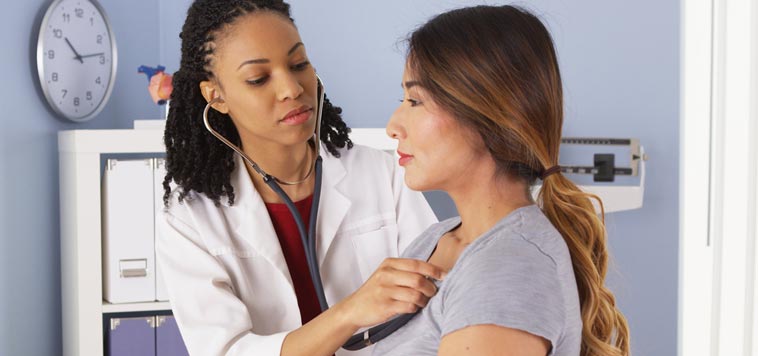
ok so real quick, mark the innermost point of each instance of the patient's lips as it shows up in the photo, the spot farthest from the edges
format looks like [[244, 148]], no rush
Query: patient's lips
[[404, 158]]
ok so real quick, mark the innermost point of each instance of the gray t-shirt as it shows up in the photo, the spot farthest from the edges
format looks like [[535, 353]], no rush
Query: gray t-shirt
[[516, 275]]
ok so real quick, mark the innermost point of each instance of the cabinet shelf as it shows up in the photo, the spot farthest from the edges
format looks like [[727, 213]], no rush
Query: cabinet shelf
[[135, 307]]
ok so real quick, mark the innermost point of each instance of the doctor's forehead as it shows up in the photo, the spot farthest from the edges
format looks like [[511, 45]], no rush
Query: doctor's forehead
[[261, 35]]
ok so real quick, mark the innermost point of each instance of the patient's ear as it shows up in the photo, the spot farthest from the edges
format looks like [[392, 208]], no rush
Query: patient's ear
[[210, 91]]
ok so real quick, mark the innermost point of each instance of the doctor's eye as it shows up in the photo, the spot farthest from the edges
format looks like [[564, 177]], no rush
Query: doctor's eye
[[257, 82], [301, 66]]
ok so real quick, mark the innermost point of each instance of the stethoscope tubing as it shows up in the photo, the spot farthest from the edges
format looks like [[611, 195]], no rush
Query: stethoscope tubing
[[376, 333], [308, 240]]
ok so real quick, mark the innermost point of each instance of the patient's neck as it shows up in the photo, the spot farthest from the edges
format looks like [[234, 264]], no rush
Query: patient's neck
[[485, 198]]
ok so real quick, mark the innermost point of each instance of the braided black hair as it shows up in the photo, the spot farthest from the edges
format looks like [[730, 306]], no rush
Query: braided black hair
[[195, 159]]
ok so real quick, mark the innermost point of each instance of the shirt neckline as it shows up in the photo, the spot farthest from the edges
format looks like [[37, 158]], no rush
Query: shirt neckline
[[454, 223], [300, 204]]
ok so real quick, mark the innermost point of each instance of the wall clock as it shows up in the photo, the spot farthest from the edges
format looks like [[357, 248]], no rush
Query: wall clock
[[76, 58]]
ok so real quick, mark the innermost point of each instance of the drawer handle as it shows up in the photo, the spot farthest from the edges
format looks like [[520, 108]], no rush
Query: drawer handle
[[133, 268]]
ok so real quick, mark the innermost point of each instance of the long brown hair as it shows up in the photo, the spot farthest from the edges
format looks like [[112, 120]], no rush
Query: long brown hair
[[494, 68]]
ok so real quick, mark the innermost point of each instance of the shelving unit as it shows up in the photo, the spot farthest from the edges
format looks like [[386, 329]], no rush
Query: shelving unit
[[83, 307]]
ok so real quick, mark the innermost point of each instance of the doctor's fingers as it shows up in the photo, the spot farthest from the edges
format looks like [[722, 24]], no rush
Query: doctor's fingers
[[403, 308], [390, 277], [416, 266], [406, 299]]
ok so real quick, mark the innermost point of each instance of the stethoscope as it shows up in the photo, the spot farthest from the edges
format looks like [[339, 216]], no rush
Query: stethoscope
[[357, 341]]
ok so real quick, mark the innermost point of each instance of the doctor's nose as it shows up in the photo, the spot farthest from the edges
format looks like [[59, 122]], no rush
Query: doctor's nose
[[289, 87]]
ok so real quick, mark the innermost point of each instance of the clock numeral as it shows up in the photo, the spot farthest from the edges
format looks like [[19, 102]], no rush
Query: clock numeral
[[98, 80], [91, 21], [89, 95], [76, 101], [99, 39], [102, 59], [55, 76], [79, 12], [58, 33], [66, 17], [51, 54], [64, 93]]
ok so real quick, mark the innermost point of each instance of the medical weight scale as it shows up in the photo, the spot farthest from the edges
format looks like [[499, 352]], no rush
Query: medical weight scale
[[605, 169]]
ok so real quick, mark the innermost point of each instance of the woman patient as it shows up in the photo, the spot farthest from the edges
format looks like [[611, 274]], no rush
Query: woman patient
[[481, 119]]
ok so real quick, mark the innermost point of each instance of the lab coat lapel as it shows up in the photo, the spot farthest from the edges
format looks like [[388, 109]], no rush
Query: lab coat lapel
[[253, 221], [333, 206]]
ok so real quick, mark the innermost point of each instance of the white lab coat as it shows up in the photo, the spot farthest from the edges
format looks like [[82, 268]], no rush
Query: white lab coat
[[224, 270]]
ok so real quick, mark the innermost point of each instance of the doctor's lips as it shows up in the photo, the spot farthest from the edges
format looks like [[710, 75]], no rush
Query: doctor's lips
[[404, 158], [297, 116]]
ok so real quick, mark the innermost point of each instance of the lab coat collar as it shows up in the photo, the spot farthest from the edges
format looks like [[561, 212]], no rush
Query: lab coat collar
[[333, 206], [254, 223]]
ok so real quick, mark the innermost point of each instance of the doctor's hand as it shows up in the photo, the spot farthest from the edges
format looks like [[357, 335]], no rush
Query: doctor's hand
[[398, 286]]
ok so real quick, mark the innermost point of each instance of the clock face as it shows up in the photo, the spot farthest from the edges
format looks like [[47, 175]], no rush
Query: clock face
[[76, 58]]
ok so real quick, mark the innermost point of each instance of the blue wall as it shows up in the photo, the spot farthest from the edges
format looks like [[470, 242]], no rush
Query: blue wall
[[621, 79], [30, 310]]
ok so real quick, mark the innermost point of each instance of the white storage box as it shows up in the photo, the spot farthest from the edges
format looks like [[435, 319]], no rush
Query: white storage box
[[128, 231]]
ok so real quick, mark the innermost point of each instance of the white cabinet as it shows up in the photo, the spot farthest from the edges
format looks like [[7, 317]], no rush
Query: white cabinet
[[80, 153]]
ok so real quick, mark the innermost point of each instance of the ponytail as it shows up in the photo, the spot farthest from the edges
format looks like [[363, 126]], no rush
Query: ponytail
[[604, 329]]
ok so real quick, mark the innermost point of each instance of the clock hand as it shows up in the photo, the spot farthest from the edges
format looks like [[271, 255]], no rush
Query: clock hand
[[92, 55], [72, 48]]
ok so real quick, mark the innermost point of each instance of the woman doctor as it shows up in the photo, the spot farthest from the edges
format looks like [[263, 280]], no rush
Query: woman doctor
[[233, 263]]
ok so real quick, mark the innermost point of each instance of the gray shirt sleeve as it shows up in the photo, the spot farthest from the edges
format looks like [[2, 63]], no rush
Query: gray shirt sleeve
[[512, 284]]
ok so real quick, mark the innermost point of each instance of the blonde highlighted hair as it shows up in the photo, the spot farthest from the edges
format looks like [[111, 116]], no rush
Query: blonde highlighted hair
[[494, 68]]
